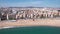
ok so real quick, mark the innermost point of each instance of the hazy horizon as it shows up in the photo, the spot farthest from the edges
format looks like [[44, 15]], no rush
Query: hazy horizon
[[30, 3]]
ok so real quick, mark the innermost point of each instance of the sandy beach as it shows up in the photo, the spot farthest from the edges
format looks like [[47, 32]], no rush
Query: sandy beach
[[30, 22]]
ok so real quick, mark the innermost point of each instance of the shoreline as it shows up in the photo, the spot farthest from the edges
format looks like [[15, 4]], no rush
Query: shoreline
[[8, 27], [30, 22]]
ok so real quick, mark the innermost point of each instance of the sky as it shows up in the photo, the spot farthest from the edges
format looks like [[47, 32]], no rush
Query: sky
[[27, 3]]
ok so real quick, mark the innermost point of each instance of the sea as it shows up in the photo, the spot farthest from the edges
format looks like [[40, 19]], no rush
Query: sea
[[31, 30]]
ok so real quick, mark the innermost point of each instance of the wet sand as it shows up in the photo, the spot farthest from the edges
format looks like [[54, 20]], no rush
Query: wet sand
[[30, 22]]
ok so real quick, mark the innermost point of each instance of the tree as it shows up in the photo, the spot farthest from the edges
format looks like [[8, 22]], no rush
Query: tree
[[0, 16]]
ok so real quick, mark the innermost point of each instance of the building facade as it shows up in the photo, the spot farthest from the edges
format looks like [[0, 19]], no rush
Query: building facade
[[28, 13]]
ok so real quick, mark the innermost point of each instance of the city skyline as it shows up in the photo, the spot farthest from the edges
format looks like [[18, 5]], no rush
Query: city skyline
[[27, 3]]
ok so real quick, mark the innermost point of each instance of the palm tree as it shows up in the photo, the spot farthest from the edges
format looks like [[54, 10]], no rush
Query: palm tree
[[33, 17], [0, 14], [7, 12]]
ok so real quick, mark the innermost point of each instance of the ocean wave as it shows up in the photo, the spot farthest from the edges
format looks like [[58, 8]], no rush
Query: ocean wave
[[7, 27]]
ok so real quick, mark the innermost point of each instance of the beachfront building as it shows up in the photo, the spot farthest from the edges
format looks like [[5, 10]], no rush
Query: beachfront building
[[29, 13], [37, 13]]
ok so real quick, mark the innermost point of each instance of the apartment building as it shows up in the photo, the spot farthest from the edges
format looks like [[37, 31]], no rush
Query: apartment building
[[29, 13]]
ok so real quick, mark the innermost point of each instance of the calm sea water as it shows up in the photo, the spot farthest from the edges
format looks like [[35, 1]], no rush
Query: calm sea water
[[31, 30]]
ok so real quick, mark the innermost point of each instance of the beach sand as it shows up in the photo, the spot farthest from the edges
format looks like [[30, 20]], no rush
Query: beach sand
[[30, 22]]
